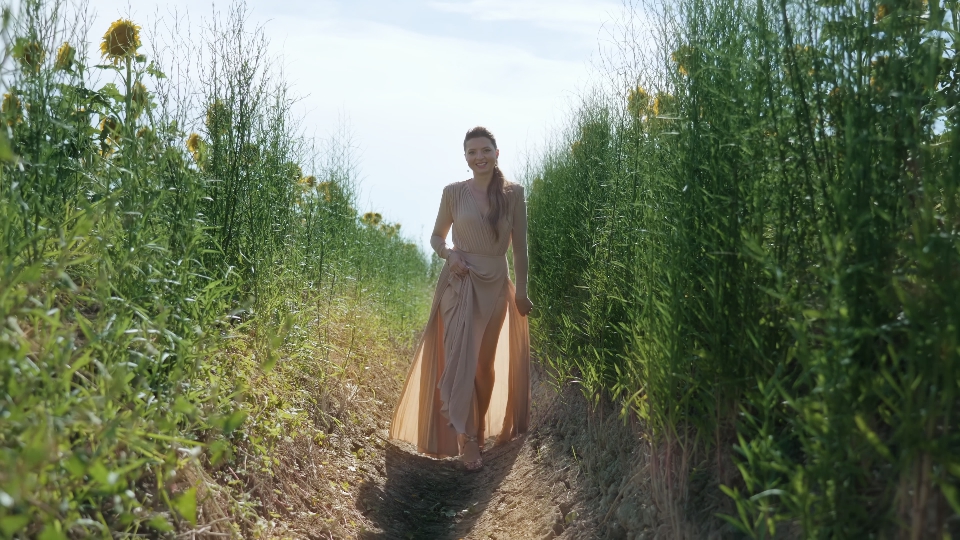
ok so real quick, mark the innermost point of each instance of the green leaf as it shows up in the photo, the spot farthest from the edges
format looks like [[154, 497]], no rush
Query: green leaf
[[75, 466], [51, 532], [155, 71], [12, 524], [160, 523], [872, 437], [6, 152], [234, 421], [950, 493], [219, 451], [186, 505], [183, 406], [111, 91]]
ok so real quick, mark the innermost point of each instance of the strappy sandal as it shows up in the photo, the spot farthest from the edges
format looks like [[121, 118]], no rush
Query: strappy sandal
[[476, 464]]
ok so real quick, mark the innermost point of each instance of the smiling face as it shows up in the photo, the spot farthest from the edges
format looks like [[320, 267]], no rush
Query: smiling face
[[481, 155]]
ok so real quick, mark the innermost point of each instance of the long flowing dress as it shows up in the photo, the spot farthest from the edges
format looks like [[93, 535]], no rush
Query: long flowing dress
[[467, 320]]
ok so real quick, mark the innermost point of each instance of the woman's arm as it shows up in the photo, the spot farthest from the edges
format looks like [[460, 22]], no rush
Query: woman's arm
[[520, 261], [438, 240]]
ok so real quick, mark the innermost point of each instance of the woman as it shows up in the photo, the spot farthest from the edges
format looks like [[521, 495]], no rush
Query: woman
[[470, 377]]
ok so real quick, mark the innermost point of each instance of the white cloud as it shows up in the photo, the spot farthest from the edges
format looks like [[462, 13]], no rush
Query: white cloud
[[578, 16], [410, 98], [408, 94]]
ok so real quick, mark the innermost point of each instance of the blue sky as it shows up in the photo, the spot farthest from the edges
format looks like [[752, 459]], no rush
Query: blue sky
[[409, 77]]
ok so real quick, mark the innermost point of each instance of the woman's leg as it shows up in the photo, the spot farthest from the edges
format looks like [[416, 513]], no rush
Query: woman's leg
[[483, 384]]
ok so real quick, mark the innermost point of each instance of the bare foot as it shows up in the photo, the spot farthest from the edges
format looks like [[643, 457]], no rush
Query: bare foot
[[470, 453]]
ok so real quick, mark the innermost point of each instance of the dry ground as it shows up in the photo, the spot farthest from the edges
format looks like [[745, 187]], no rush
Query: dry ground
[[525, 490], [581, 472]]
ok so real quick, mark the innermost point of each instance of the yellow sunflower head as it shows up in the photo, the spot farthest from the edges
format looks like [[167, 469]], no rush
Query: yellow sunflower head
[[12, 109], [371, 219], [109, 135], [195, 146], [30, 54], [109, 128], [663, 103], [121, 41], [637, 101], [65, 56], [324, 189], [882, 11]]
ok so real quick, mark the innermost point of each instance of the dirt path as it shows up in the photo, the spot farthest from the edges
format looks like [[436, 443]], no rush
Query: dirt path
[[582, 472], [528, 488]]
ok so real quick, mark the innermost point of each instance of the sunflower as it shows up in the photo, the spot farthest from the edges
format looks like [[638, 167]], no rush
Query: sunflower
[[65, 56], [882, 11], [121, 41], [390, 229], [371, 219], [683, 57], [195, 146], [637, 101], [663, 103], [109, 134], [139, 95], [12, 109], [324, 188], [30, 54]]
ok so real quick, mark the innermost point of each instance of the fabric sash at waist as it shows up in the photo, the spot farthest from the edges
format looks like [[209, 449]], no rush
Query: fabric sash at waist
[[485, 269]]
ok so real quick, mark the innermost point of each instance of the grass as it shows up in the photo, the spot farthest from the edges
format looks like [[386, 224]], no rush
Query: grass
[[171, 255], [751, 240]]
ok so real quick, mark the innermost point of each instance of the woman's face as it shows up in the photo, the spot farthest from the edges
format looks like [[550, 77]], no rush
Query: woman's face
[[481, 155]]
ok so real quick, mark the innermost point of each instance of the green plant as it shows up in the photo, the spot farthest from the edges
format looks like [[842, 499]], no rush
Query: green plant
[[762, 237], [134, 252]]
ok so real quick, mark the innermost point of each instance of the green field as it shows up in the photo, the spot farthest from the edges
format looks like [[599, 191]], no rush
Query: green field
[[174, 259], [751, 239], [748, 238]]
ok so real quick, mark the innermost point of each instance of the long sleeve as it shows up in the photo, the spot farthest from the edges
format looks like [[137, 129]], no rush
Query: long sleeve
[[519, 239], [438, 240]]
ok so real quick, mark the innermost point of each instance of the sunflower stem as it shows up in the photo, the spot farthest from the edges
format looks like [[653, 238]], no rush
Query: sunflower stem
[[128, 99]]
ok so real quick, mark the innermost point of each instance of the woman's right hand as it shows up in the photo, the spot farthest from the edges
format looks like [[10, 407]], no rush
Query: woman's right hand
[[457, 264]]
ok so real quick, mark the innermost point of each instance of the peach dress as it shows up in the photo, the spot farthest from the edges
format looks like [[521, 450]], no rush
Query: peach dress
[[473, 320]]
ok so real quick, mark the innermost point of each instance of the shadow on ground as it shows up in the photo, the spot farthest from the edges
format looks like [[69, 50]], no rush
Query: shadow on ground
[[425, 498]]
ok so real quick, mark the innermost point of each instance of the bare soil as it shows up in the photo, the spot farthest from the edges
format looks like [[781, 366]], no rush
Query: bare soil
[[581, 472], [526, 489]]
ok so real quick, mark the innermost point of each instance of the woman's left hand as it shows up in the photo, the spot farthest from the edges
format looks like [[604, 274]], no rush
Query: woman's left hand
[[524, 305]]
